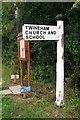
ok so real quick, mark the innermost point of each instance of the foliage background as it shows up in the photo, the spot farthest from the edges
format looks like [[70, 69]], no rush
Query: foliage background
[[43, 60], [43, 53]]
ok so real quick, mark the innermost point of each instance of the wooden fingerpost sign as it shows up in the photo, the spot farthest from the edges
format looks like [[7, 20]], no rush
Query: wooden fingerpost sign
[[48, 32], [23, 55]]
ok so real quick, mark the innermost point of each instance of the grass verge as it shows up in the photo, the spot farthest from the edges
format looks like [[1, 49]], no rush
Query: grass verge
[[40, 104]]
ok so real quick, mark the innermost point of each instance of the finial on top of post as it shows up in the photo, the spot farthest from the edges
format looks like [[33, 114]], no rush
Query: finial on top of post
[[60, 17]]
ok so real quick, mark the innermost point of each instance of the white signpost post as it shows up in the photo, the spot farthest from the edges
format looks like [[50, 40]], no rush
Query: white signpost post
[[60, 62], [45, 32]]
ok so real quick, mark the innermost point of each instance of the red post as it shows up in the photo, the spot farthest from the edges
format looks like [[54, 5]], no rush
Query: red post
[[28, 65], [21, 72], [27, 58]]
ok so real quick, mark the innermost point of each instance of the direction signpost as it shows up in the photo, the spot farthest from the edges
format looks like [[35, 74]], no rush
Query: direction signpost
[[39, 32], [47, 32]]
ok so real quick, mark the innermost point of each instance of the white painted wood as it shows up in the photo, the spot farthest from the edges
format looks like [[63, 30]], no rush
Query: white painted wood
[[15, 89], [39, 32], [22, 49], [12, 76], [60, 67], [5, 92], [59, 29], [17, 76]]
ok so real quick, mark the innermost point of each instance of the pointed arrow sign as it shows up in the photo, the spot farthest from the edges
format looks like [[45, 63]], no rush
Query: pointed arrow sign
[[39, 32]]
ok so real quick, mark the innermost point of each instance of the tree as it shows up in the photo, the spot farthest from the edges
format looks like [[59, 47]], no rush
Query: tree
[[43, 53]]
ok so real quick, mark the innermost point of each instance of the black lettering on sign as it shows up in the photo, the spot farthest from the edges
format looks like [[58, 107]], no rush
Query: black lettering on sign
[[30, 32], [41, 37], [30, 28], [41, 32], [35, 32], [26, 32], [26, 27], [52, 32], [30, 37], [26, 37], [44, 32], [37, 28], [35, 37]]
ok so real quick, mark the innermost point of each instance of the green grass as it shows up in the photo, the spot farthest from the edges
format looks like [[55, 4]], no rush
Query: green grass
[[40, 103], [6, 77], [0, 107], [0, 96]]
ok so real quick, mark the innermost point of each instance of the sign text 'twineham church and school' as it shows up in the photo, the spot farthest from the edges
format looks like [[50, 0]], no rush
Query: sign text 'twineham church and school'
[[40, 32]]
